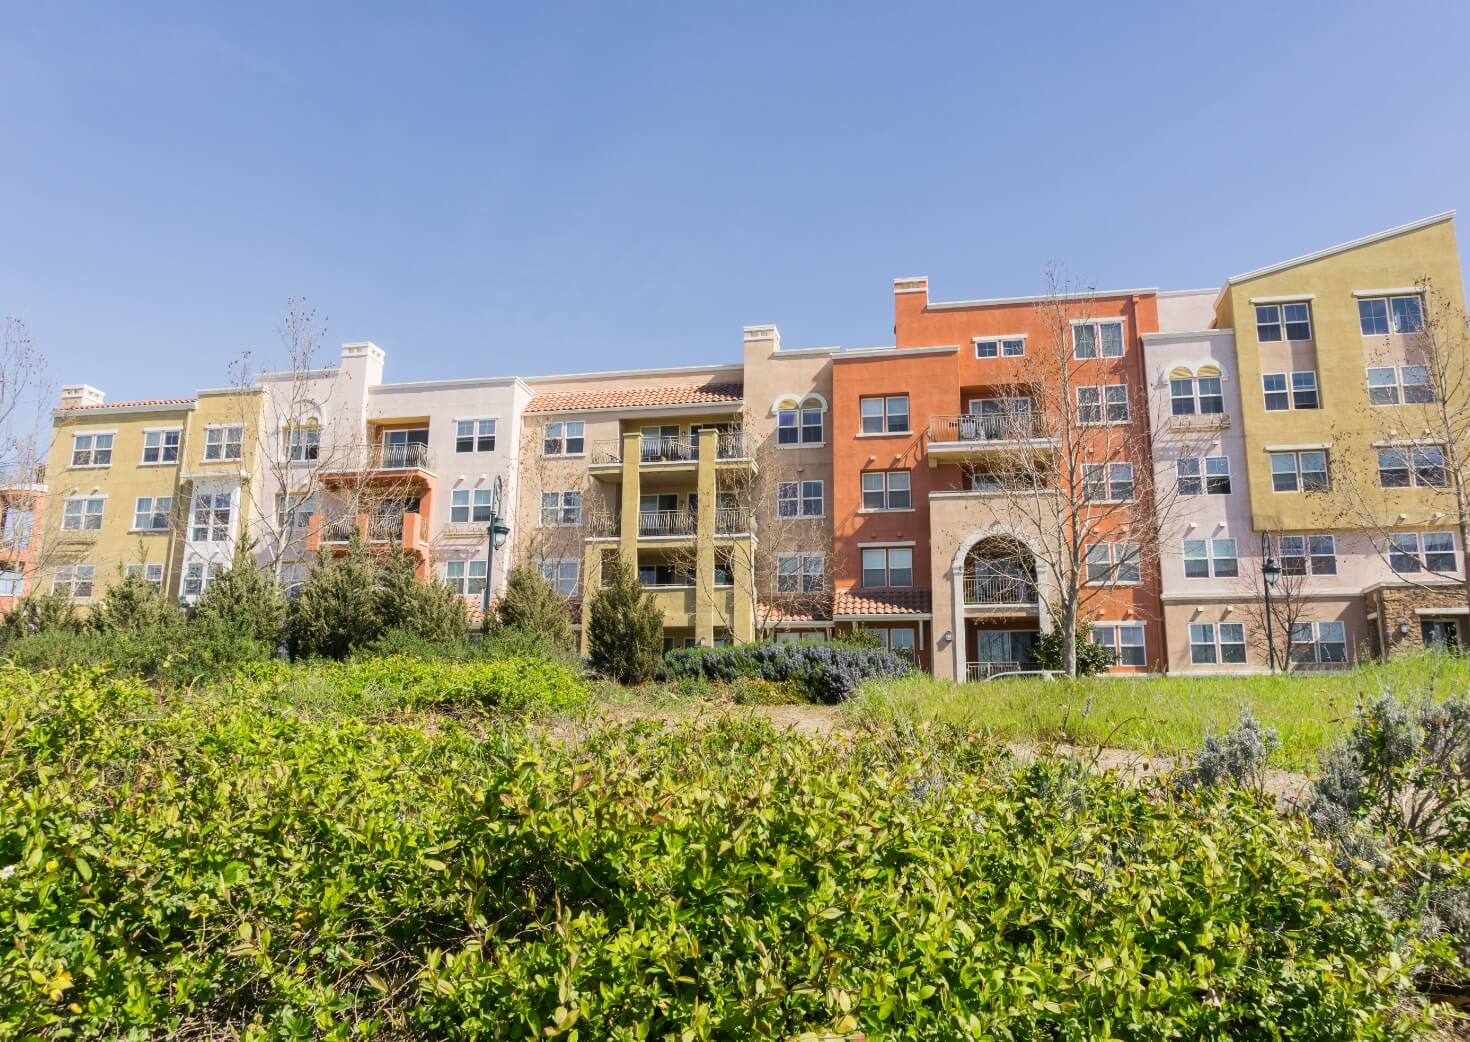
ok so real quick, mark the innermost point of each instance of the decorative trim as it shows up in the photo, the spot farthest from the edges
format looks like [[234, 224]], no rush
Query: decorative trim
[[1285, 298], [1366, 240], [1402, 291]]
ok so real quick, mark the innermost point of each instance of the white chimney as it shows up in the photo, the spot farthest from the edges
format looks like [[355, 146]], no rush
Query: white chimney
[[75, 395]]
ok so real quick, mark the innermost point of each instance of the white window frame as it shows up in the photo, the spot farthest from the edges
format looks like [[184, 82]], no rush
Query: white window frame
[[1210, 637], [887, 491], [1211, 557], [1315, 630], [289, 512], [1390, 318], [885, 416], [217, 437], [1013, 345], [568, 503], [1281, 322], [1102, 476], [162, 448], [1298, 481], [1399, 385], [888, 552], [553, 570], [467, 577], [303, 443], [1110, 562], [477, 434], [807, 415], [563, 438], [1106, 397], [801, 567], [69, 579], [1309, 556], [198, 574], [1414, 467], [794, 499], [476, 506], [1208, 473], [1098, 352], [92, 449], [1116, 644], [1411, 546], [159, 509], [205, 517], [83, 516], [152, 573]]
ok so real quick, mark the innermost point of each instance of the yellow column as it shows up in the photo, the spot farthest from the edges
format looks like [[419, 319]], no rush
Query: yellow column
[[743, 566], [591, 580], [704, 540], [632, 455]]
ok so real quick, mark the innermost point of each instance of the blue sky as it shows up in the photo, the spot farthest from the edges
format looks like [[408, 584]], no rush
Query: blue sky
[[550, 187]]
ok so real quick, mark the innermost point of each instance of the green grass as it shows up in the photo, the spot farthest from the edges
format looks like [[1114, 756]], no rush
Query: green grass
[[1161, 714]]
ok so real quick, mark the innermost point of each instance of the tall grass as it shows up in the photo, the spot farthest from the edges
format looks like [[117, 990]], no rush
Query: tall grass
[[1162, 714]]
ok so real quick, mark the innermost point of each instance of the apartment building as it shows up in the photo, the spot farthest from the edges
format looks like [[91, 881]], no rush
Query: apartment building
[[22, 502]]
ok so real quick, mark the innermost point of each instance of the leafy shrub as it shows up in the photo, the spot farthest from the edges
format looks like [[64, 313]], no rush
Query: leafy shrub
[[858, 637], [41, 613], [508, 684], [1237, 757], [531, 605], [432, 610], [828, 673], [1092, 659], [242, 604], [403, 641], [135, 606], [211, 868], [625, 628], [516, 642]]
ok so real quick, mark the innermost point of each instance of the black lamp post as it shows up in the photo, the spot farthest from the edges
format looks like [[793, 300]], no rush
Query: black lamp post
[[495, 535], [1270, 572]]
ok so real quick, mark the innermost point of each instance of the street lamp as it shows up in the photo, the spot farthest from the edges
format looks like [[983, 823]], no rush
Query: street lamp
[[1270, 572], [495, 535]]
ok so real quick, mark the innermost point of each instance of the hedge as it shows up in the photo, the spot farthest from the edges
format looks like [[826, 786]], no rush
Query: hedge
[[829, 673]]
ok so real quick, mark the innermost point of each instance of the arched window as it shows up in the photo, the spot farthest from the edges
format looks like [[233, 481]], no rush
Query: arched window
[[1197, 391], [799, 420]]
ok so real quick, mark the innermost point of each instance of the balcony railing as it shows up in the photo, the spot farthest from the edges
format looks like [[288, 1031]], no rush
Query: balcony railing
[[993, 427], [1206, 421], [999, 589], [730, 445], [380, 457], [981, 670], [730, 521], [653, 523], [338, 531], [667, 450]]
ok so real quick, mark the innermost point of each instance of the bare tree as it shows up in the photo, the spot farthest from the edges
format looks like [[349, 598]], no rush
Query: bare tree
[[1291, 603], [1069, 461], [1418, 386], [26, 394], [542, 534]]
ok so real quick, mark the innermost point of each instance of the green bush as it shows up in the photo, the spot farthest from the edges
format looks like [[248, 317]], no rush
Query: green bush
[[244, 604], [531, 605], [625, 628], [822, 672], [1092, 659], [136, 607], [509, 684], [230, 867], [41, 613], [431, 610]]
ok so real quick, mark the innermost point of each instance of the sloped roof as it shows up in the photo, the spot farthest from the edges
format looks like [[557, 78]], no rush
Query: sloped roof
[[629, 397], [139, 403], [1343, 247], [880, 602]]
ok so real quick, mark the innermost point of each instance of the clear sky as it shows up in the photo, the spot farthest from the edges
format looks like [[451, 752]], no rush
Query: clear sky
[[486, 189]]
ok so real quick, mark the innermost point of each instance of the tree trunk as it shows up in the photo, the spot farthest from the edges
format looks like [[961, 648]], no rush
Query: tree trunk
[[1069, 640]]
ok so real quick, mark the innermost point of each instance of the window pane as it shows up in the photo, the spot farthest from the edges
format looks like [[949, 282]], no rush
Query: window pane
[[1383, 386], [1298, 322], [898, 490], [898, 413], [1304, 390], [1393, 468], [1407, 315], [1223, 551], [1196, 559], [1112, 339], [987, 348], [1268, 322], [1373, 316], [875, 568], [872, 413], [1274, 385], [1182, 397], [1283, 471], [1084, 341], [1417, 389], [900, 567], [1314, 471]]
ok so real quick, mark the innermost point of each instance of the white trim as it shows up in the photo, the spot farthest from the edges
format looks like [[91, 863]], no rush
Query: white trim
[[1082, 295], [1186, 292], [799, 399], [1402, 291], [1183, 334], [893, 352], [797, 352], [408, 387], [1394, 443], [884, 544], [916, 616], [1441, 611], [1285, 298], [687, 409], [883, 434], [1341, 247], [734, 368], [1306, 446], [895, 510], [77, 415]]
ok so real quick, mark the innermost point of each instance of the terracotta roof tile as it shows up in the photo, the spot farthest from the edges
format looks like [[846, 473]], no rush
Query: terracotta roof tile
[[624, 397], [129, 405], [881, 602], [796, 612]]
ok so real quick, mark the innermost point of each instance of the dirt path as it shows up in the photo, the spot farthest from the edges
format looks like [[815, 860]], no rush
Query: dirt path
[[830, 720]]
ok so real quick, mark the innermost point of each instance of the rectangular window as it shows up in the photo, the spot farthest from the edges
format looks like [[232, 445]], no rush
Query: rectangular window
[[1375, 313], [562, 575], [1114, 563], [1116, 399], [1211, 396], [1204, 558], [1008, 347], [1097, 339], [1210, 644], [82, 514], [197, 576], [887, 415], [304, 444], [1313, 642], [91, 450], [564, 438], [161, 446], [223, 443], [1181, 397], [151, 513], [1383, 386], [1232, 643], [1299, 471], [801, 573], [295, 510], [891, 566], [1373, 316], [799, 425], [1438, 552], [1274, 385], [800, 499], [16, 528], [1187, 476], [1417, 388], [152, 573], [1303, 554], [474, 436], [12, 582], [1123, 639], [813, 499], [1304, 390], [466, 577], [211, 522], [1419, 466], [1089, 405], [1223, 558], [1120, 481], [1295, 319], [1407, 314], [1217, 475], [561, 509], [73, 580], [469, 505], [1202, 649], [886, 490]]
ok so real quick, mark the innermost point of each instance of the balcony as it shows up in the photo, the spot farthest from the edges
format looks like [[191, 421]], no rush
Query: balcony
[[670, 524], [408, 531], [658, 524], [379, 460], [986, 591], [969, 436], [730, 446], [1209, 421], [981, 670]]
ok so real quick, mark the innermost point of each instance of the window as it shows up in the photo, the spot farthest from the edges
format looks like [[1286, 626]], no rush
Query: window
[[1123, 639], [1303, 390], [1114, 563], [1384, 385], [800, 573], [1303, 554], [889, 415], [73, 580], [12, 582], [82, 514], [152, 573], [897, 639], [15, 530], [223, 443], [1438, 552], [1296, 319], [562, 575], [1204, 558], [303, 443], [292, 575], [1008, 347], [295, 510], [1313, 642], [887, 490], [1406, 312], [564, 438], [1089, 405], [1420, 466], [891, 566], [211, 518], [198, 575], [91, 450], [161, 446], [466, 577], [474, 435], [1299, 471], [800, 499], [1097, 339], [151, 513], [1096, 404], [1115, 400], [799, 423], [1276, 396], [1107, 482], [469, 505], [561, 509], [1209, 644], [1189, 395], [1215, 480]]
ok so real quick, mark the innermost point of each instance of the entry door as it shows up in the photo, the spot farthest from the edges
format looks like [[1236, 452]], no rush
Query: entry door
[[1441, 633]]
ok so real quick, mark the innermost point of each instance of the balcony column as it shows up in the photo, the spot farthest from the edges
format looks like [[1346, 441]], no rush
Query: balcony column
[[704, 540], [591, 581], [742, 565], [632, 456], [957, 588], [1044, 585]]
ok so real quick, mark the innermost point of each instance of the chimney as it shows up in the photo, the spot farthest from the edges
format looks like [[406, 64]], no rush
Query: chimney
[[76, 395], [910, 299]]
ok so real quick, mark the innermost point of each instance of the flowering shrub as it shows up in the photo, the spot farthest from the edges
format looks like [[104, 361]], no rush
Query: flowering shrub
[[180, 865], [829, 673]]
